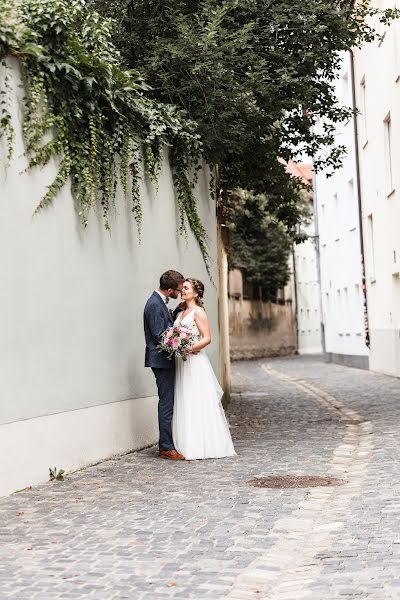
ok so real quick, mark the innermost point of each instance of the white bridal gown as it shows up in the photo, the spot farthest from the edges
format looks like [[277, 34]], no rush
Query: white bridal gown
[[199, 426]]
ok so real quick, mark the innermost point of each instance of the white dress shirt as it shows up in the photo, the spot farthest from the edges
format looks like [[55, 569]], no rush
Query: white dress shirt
[[164, 298]]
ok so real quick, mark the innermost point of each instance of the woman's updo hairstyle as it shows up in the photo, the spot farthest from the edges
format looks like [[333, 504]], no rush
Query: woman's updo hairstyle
[[198, 288]]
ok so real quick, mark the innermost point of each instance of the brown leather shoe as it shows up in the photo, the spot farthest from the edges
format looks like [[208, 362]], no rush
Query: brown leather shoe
[[171, 455]]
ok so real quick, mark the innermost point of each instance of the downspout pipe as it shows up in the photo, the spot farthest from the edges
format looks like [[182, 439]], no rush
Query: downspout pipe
[[359, 199]]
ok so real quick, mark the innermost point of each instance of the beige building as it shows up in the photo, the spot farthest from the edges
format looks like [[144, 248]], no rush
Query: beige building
[[259, 328]]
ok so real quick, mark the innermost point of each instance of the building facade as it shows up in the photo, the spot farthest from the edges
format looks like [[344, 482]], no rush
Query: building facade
[[377, 90], [336, 204], [358, 212], [305, 271]]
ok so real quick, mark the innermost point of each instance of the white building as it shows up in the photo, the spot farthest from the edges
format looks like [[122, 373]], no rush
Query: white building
[[338, 227], [377, 87], [305, 270]]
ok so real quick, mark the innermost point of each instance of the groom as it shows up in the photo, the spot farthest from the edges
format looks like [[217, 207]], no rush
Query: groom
[[157, 318]]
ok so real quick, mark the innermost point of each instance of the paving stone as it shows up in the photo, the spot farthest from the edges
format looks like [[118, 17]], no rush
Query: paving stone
[[142, 528]]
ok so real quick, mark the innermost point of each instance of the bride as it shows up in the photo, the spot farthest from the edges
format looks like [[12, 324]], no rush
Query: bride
[[199, 426]]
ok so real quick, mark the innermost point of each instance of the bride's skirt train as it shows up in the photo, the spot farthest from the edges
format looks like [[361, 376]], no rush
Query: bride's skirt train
[[199, 426]]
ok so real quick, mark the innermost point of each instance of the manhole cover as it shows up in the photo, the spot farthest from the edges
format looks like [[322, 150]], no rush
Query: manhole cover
[[294, 481]]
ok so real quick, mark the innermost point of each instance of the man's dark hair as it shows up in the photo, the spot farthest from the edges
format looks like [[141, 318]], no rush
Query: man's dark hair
[[171, 279]]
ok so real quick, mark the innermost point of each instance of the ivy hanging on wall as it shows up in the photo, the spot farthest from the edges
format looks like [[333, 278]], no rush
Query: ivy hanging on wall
[[102, 124]]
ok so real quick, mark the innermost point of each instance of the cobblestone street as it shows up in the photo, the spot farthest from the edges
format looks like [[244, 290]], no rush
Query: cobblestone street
[[139, 527]]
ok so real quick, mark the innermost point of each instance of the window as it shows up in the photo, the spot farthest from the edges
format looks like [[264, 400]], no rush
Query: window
[[322, 216], [371, 249], [339, 312], [351, 205], [396, 45], [380, 27], [350, 190], [359, 304], [363, 110], [388, 154], [346, 307], [396, 301], [345, 91]]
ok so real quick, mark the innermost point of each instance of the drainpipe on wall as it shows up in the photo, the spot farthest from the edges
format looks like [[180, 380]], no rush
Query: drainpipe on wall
[[359, 200]]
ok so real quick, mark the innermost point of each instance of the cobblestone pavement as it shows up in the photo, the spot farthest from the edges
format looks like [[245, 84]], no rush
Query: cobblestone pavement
[[143, 528]]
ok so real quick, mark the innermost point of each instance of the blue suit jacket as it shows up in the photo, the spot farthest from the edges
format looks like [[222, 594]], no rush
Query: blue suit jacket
[[157, 318]]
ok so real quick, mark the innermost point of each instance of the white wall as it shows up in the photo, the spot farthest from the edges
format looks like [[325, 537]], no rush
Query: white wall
[[336, 206], [308, 297], [377, 82], [71, 302]]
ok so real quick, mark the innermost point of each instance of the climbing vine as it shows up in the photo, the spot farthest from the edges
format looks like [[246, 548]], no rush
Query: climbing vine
[[103, 127]]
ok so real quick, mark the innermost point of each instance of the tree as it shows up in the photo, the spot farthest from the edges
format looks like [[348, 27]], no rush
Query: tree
[[260, 245], [254, 75]]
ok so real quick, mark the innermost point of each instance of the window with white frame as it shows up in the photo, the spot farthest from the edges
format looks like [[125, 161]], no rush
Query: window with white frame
[[371, 249], [363, 111], [379, 27], [396, 45], [351, 205], [388, 142], [339, 313], [345, 90]]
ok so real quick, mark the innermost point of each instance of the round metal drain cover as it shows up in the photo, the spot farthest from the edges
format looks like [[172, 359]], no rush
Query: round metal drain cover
[[294, 481]]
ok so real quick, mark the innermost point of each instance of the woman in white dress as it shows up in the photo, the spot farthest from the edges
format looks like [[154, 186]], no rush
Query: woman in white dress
[[199, 426]]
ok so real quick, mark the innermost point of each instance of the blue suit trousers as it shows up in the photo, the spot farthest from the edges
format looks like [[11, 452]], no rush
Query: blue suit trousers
[[165, 379]]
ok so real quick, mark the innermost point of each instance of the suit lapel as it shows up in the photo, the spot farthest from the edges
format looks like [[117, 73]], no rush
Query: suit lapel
[[164, 305]]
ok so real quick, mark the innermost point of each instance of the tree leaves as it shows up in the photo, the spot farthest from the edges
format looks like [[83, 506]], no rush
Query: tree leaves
[[255, 76], [96, 110]]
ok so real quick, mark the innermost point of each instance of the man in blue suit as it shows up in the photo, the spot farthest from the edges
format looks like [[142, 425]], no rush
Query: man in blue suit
[[157, 318]]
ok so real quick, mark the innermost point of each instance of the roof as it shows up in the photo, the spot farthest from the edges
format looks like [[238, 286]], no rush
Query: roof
[[304, 171]]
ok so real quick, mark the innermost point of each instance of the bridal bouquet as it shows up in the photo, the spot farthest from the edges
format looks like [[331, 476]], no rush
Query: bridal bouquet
[[176, 340]]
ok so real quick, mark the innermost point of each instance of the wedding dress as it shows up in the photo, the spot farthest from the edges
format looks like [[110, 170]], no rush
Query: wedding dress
[[199, 426]]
